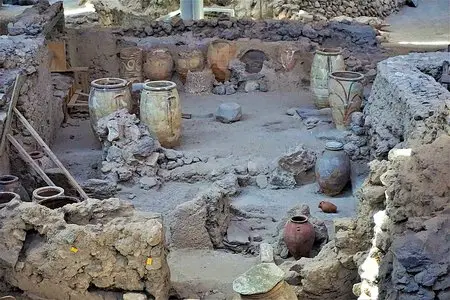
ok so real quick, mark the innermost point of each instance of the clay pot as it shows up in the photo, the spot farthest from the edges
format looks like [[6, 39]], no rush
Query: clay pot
[[220, 53], [299, 236], [158, 65], [59, 201], [346, 94], [160, 110], [325, 61], [131, 61], [186, 61], [41, 159], [11, 183], [333, 169], [107, 96], [47, 192], [6, 197], [328, 207]]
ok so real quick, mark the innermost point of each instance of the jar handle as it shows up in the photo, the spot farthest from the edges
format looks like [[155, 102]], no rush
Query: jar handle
[[169, 114]]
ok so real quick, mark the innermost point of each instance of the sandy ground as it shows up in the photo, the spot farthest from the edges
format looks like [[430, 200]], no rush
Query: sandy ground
[[427, 24]]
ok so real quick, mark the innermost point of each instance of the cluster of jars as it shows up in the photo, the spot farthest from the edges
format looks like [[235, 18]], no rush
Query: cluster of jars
[[159, 102], [50, 196], [332, 86]]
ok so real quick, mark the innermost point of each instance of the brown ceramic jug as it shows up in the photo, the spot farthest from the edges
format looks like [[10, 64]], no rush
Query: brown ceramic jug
[[328, 207], [299, 236], [186, 61]]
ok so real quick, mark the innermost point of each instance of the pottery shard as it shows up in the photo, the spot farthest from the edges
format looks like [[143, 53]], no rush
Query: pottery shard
[[297, 160]]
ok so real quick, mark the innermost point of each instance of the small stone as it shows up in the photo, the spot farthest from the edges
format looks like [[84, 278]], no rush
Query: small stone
[[357, 119], [257, 238], [263, 86], [311, 122], [291, 111], [229, 112], [172, 165], [131, 196], [148, 182], [261, 181], [172, 154], [251, 86], [284, 253], [230, 90], [124, 174], [219, 90], [152, 160], [266, 253], [134, 296]]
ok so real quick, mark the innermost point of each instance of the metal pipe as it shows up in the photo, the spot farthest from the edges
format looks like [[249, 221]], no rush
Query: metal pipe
[[191, 9]]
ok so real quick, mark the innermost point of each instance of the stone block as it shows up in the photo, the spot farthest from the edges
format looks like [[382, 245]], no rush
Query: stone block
[[229, 112]]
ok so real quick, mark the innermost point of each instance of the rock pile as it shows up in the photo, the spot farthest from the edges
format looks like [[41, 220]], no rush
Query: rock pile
[[131, 152], [85, 250], [291, 9]]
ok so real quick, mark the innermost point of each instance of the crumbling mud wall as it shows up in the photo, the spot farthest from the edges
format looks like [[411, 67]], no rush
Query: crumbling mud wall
[[24, 51], [91, 250]]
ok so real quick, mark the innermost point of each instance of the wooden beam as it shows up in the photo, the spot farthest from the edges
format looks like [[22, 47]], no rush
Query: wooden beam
[[50, 154], [20, 79], [27, 158]]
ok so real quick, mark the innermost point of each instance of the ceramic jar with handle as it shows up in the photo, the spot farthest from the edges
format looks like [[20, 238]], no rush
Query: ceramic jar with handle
[[333, 169], [326, 61], [346, 96], [160, 110], [299, 236]]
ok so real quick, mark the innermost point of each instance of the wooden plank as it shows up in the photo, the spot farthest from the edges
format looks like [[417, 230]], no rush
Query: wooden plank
[[27, 158], [50, 154], [20, 79], [58, 50], [73, 100]]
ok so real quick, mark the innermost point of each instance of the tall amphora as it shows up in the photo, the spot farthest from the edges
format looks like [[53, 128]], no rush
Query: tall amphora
[[325, 61], [107, 96], [346, 95], [160, 110]]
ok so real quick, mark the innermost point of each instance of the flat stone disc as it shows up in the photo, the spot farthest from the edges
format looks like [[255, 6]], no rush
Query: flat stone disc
[[258, 280], [334, 146]]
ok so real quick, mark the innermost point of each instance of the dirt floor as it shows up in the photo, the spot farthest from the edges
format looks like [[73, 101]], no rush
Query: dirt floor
[[265, 131]]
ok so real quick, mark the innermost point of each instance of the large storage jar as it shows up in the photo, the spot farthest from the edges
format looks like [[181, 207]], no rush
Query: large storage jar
[[325, 61], [160, 110], [131, 61], [107, 96], [220, 53]]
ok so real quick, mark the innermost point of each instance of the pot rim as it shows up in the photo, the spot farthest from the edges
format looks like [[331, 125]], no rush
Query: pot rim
[[340, 75], [12, 195], [128, 51], [159, 85], [8, 179], [334, 146], [301, 219], [59, 190], [73, 200], [110, 84], [329, 51], [36, 154]]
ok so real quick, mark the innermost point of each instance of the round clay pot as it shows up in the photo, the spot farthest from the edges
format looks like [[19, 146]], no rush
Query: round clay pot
[[47, 192], [6, 197], [328, 207], [191, 60], [41, 159], [59, 201], [158, 65], [11, 183], [333, 169], [299, 236], [220, 53]]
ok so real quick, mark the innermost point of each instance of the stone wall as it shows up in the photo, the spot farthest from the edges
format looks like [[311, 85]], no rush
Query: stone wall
[[91, 250], [289, 9], [24, 51], [418, 104]]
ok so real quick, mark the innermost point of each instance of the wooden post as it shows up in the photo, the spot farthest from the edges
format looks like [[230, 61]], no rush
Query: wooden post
[[50, 154]]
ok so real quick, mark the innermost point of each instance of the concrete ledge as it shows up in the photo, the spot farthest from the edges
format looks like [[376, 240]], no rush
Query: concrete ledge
[[407, 106]]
